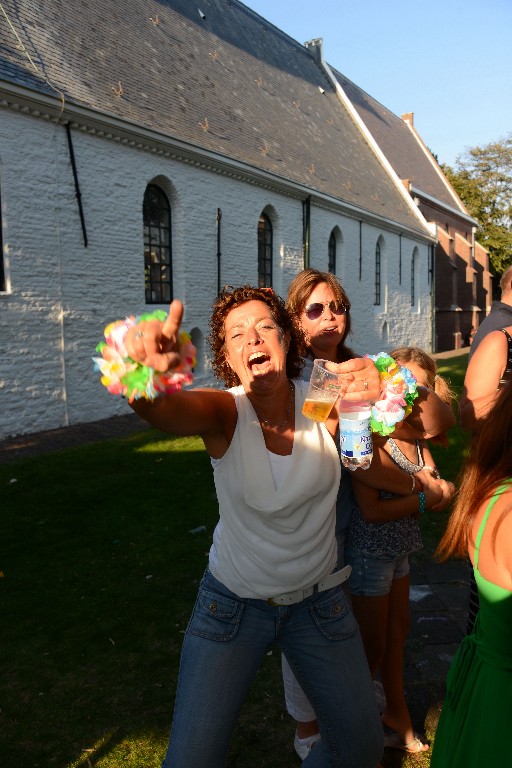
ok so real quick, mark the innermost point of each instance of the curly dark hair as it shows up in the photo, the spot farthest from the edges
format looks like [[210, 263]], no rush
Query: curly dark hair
[[234, 297], [299, 291]]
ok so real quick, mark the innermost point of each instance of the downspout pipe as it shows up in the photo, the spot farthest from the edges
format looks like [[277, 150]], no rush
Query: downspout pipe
[[2, 269], [306, 230], [432, 271], [78, 194], [360, 249], [219, 254]]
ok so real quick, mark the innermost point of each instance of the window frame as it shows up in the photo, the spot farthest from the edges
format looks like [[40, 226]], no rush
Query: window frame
[[378, 276], [332, 253], [265, 251], [158, 290]]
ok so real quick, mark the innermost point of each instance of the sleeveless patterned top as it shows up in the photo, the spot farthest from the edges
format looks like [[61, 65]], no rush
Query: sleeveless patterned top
[[395, 538]]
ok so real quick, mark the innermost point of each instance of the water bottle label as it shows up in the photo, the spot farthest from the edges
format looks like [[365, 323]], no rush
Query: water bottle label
[[356, 438]]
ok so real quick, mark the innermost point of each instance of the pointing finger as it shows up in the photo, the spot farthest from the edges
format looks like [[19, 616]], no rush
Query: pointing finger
[[173, 320]]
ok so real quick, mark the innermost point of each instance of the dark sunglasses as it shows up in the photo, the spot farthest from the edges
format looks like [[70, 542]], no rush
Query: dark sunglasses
[[316, 310]]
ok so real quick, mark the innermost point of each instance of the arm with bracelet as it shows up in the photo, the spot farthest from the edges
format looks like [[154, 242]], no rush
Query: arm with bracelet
[[376, 509]]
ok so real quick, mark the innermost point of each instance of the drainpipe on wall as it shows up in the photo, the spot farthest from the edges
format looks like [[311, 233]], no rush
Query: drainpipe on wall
[[78, 194], [3, 282], [219, 217], [306, 230], [432, 272], [360, 250], [400, 259]]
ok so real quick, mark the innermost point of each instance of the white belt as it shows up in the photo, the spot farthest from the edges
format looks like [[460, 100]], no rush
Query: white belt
[[289, 598]]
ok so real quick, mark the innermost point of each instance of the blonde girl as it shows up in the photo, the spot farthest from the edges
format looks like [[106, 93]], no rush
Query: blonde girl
[[383, 532]]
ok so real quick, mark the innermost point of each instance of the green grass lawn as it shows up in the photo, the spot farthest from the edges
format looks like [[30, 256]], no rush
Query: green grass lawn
[[99, 571]]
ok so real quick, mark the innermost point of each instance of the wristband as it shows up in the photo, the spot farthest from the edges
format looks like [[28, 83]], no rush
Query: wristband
[[421, 496], [121, 375], [397, 395]]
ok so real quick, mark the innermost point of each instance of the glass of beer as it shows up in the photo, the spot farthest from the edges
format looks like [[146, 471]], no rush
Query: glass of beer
[[324, 389]]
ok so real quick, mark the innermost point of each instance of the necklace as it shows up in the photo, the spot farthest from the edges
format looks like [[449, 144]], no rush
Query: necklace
[[288, 413]]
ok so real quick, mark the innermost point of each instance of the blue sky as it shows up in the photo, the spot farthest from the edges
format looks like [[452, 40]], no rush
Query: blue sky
[[447, 61]]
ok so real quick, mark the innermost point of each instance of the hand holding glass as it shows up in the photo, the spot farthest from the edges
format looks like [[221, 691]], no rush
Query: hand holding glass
[[325, 387]]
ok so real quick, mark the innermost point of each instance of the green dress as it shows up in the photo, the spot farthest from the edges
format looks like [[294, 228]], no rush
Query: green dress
[[474, 727]]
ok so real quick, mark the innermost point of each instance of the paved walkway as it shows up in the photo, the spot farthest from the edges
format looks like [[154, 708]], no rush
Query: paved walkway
[[439, 593], [33, 444]]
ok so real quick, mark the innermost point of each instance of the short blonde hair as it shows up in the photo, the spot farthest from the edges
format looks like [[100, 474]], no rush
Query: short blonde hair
[[506, 280]]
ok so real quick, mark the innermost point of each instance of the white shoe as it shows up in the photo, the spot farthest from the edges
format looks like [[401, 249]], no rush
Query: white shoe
[[304, 746]]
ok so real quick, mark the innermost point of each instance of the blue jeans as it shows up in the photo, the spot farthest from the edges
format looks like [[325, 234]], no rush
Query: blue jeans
[[225, 643]]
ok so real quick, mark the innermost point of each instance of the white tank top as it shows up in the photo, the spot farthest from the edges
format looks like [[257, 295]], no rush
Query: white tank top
[[269, 540]]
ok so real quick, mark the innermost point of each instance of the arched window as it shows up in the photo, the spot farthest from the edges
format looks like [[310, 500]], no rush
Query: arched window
[[331, 262], [378, 276], [157, 246], [264, 252]]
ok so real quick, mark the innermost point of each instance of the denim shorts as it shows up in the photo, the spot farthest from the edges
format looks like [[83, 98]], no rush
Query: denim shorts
[[372, 575]]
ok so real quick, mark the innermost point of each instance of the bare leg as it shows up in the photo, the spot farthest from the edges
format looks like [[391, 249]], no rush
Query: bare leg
[[396, 715], [372, 616]]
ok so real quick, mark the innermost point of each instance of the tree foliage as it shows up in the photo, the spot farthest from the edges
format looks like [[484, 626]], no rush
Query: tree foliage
[[482, 178]]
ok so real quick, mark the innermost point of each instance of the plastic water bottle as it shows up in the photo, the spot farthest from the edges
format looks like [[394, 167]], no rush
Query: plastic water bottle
[[355, 435]]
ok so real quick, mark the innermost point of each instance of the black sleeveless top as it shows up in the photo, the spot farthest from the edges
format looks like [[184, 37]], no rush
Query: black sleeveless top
[[507, 373]]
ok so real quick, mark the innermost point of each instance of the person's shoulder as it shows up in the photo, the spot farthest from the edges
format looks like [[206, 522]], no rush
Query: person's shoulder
[[499, 316], [494, 340], [495, 562]]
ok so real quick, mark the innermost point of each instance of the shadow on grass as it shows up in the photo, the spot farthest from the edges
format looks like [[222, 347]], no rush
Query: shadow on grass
[[100, 572]]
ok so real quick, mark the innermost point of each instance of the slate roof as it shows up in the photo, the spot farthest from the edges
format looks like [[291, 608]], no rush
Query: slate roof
[[211, 73], [400, 145]]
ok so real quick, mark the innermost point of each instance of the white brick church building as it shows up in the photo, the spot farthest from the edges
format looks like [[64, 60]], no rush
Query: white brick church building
[[148, 151]]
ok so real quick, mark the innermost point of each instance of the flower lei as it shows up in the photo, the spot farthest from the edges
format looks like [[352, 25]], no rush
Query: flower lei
[[397, 395], [121, 375]]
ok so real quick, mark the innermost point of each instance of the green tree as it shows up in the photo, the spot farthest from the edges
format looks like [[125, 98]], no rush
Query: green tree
[[482, 178]]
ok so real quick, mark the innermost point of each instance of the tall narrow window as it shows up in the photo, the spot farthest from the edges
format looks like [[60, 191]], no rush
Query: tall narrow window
[[414, 278], [378, 265], [331, 263], [413, 286], [3, 286], [264, 252], [157, 246]]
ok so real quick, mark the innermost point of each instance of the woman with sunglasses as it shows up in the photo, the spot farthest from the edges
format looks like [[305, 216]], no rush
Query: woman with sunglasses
[[320, 310]]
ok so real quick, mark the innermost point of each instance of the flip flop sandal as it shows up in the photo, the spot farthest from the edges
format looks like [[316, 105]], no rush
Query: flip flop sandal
[[392, 740]]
